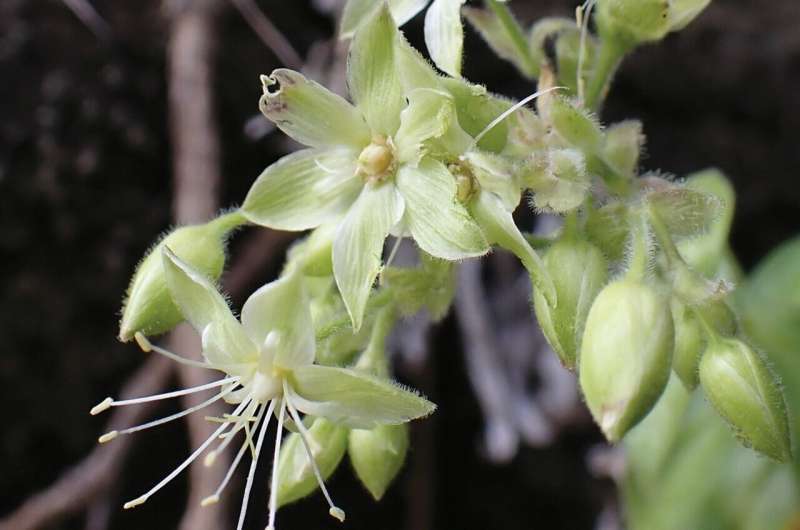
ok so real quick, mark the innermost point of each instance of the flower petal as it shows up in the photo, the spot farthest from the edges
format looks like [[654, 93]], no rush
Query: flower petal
[[303, 190], [282, 306], [498, 225], [430, 114], [354, 398], [359, 242], [224, 339], [373, 75], [444, 35], [356, 11], [440, 224], [310, 113]]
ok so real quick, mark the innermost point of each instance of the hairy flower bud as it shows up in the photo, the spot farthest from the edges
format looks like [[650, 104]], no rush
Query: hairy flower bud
[[634, 22], [625, 355], [691, 339], [296, 479], [563, 184], [745, 392], [377, 455], [578, 270], [149, 308], [576, 126]]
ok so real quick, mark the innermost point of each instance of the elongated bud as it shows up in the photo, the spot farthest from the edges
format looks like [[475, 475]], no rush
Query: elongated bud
[[377, 455], [691, 339], [579, 271], [633, 22], [740, 385], [149, 308], [626, 354], [296, 479]]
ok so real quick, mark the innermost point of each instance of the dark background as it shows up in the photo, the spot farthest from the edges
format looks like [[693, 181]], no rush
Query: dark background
[[85, 187]]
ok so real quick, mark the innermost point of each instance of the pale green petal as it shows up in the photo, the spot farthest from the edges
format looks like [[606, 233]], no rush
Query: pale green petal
[[358, 246], [430, 114], [310, 113], [224, 339], [373, 75], [440, 224], [444, 35], [499, 227], [354, 398], [282, 306], [304, 189], [356, 11]]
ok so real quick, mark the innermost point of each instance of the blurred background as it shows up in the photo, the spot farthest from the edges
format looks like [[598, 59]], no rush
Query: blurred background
[[97, 99]]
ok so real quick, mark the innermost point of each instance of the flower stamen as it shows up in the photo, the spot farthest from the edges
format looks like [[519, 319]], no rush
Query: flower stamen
[[111, 402], [250, 474], [273, 489], [148, 346]]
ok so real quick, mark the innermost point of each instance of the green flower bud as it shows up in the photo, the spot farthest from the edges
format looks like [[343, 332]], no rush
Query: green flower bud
[[377, 455], [623, 146], [296, 479], [691, 339], [633, 22], [563, 184], [149, 308], [745, 392], [575, 125], [626, 354], [579, 271]]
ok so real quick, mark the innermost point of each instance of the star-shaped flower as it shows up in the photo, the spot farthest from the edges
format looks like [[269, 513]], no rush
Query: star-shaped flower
[[268, 361], [373, 168]]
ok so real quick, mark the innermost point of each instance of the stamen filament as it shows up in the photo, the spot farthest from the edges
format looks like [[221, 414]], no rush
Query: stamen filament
[[228, 437], [148, 346], [305, 436], [110, 402], [211, 499], [142, 499], [273, 488], [181, 414], [249, 484]]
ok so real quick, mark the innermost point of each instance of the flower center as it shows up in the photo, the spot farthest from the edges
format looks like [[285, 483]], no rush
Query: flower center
[[466, 183], [376, 161], [265, 387]]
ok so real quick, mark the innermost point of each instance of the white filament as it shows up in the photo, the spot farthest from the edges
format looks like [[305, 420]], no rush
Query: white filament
[[250, 474], [167, 395], [273, 488]]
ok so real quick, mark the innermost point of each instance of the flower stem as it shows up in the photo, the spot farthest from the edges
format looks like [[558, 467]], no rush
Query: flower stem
[[608, 60]]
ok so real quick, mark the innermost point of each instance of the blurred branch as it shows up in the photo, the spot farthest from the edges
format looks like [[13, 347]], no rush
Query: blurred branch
[[196, 177], [269, 34], [95, 473], [89, 16]]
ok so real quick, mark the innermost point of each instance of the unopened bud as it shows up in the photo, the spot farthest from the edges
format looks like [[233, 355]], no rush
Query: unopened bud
[[623, 146], [626, 354], [691, 339], [579, 271], [564, 183], [377, 455], [149, 308], [633, 22], [296, 478], [745, 392], [576, 125]]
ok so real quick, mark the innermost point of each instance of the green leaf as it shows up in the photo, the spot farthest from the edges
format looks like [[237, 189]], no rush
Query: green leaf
[[224, 339], [304, 189], [358, 246], [310, 113], [356, 11], [282, 307], [296, 479], [500, 40], [430, 114], [373, 74], [499, 227], [444, 35], [354, 398], [440, 224]]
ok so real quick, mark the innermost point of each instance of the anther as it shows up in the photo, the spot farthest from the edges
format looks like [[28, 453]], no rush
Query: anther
[[337, 513], [107, 437], [135, 502], [208, 501], [142, 341], [102, 406]]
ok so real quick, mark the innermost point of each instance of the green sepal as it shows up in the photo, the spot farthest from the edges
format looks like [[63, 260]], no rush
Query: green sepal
[[378, 455], [477, 108], [431, 285], [684, 211], [626, 355], [148, 307], [576, 126], [745, 392], [579, 271], [623, 146], [296, 479], [607, 227]]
